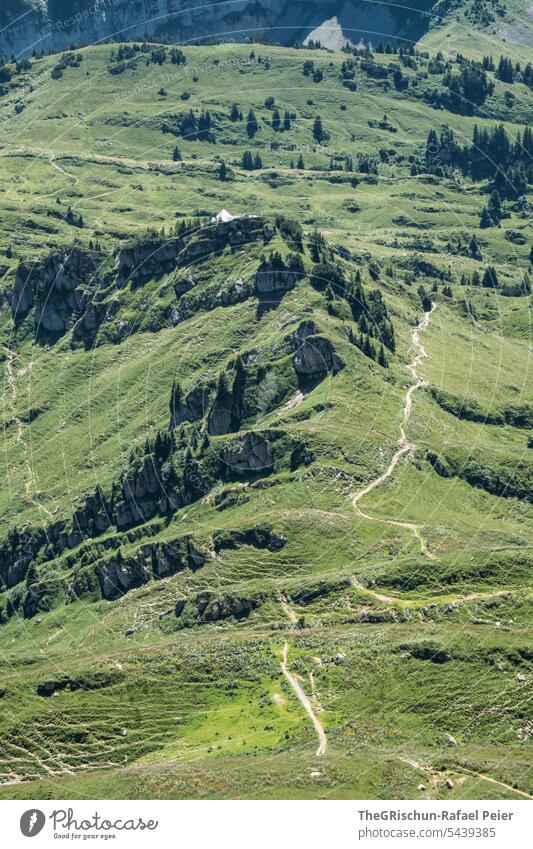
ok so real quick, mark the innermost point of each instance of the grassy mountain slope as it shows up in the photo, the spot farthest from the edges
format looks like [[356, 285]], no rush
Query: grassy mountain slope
[[141, 651]]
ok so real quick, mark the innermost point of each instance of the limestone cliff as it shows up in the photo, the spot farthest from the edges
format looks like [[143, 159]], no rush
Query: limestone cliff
[[27, 25]]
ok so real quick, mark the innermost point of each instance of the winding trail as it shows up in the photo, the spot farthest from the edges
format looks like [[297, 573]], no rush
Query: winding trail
[[287, 609], [472, 772], [404, 446], [500, 783], [319, 728]]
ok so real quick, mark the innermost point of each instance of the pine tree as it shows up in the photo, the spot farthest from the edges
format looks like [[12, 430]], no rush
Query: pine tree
[[176, 155], [301, 165], [490, 278], [319, 134], [222, 171], [234, 114], [251, 124], [247, 161], [175, 404], [485, 219], [382, 357], [494, 207]]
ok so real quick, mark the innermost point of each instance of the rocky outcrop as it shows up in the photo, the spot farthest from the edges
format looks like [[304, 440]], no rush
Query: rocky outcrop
[[86, 328], [192, 408], [212, 607], [275, 281], [149, 258], [118, 576], [57, 24], [17, 553], [160, 480], [155, 255], [93, 516], [261, 536], [307, 594], [251, 455], [485, 472], [315, 356], [88, 681], [142, 493], [152, 561], [57, 288], [234, 292]]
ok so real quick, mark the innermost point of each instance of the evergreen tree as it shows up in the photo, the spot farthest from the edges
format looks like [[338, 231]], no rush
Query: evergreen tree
[[505, 70], [490, 278], [247, 161], [382, 357], [251, 124], [494, 207], [485, 219], [319, 134]]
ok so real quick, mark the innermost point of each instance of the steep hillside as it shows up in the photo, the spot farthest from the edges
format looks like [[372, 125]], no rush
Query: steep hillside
[[268, 421], [34, 25]]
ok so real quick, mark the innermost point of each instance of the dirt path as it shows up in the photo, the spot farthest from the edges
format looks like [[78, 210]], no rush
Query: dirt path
[[322, 745], [500, 783], [471, 772], [287, 609], [404, 446]]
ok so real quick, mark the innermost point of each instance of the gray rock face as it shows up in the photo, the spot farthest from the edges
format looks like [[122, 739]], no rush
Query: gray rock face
[[55, 287], [151, 561], [262, 537], [155, 256], [253, 454], [59, 23], [275, 281], [142, 494], [94, 515], [117, 577], [192, 408], [150, 259], [211, 607], [315, 356], [231, 293]]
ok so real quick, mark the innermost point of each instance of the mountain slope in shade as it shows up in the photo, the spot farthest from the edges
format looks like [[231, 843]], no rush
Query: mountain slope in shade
[[26, 25]]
